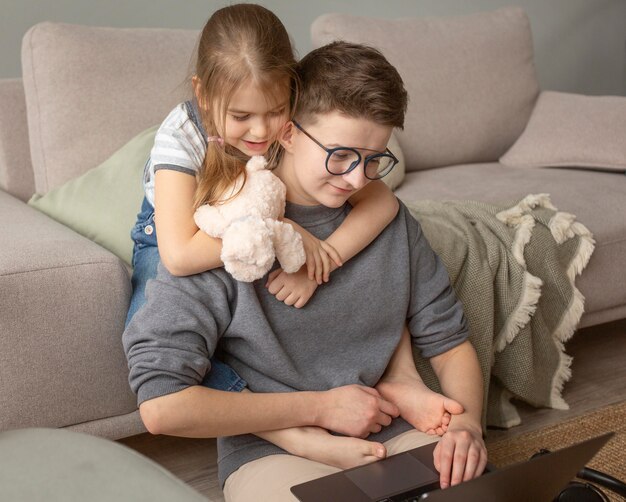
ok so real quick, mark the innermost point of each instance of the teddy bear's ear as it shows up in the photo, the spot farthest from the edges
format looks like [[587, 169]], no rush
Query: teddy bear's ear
[[285, 137]]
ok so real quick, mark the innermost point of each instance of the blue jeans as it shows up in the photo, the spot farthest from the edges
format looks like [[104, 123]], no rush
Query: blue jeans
[[145, 263]]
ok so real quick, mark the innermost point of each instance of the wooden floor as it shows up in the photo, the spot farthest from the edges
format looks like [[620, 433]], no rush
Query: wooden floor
[[599, 379]]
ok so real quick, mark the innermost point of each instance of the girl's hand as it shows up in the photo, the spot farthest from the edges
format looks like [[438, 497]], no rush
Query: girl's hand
[[319, 255], [318, 258], [293, 289]]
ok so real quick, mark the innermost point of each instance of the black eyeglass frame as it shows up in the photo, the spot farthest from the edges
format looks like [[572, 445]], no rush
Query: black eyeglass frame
[[330, 151]]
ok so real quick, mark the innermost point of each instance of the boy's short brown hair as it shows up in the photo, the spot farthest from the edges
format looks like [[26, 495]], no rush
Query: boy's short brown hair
[[353, 79]]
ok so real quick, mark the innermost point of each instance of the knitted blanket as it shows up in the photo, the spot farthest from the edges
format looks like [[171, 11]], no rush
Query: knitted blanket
[[513, 268]]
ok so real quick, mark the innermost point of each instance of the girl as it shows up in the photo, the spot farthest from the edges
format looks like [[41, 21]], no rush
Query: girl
[[243, 85]]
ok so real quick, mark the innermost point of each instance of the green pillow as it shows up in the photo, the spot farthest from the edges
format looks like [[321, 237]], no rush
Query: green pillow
[[103, 203]]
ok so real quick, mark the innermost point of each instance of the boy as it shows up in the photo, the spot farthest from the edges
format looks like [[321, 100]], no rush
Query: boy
[[314, 366]]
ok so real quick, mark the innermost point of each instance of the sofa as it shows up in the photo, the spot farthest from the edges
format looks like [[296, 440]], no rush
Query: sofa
[[478, 127]]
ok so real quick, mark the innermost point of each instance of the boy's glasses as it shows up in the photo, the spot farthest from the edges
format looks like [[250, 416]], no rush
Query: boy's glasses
[[342, 159]]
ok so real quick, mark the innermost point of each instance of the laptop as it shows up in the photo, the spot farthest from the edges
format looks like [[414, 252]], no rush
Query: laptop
[[411, 477]]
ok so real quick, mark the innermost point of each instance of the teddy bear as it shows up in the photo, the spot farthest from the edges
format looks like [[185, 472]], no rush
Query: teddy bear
[[250, 225]]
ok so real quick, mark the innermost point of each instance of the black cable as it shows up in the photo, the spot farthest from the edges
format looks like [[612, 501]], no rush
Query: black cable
[[598, 477], [603, 479]]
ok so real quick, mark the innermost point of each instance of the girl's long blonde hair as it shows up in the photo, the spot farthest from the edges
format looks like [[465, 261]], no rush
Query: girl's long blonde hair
[[240, 45]]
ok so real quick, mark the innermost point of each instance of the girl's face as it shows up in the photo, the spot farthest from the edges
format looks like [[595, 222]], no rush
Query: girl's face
[[254, 118]]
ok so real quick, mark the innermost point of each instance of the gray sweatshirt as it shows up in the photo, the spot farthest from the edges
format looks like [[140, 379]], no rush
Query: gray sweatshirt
[[346, 334]]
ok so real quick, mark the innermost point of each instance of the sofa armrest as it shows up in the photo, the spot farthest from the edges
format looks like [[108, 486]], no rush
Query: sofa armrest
[[62, 309], [16, 172]]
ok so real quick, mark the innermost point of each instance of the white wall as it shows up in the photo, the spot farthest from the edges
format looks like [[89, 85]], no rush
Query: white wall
[[580, 45]]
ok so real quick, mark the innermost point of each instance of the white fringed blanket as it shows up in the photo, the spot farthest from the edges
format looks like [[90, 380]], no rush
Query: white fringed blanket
[[513, 268]]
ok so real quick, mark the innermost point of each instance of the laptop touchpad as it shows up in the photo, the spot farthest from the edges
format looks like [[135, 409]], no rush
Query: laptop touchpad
[[395, 474]]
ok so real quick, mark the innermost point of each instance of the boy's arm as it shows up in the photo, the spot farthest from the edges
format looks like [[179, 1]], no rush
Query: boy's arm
[[436, 318], [374, 207], [199, 411], [183, 248], [461, 454], [168, 345]]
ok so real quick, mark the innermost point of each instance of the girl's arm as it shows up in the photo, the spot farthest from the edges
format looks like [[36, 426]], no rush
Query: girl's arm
[[184, 249], [374, 207]]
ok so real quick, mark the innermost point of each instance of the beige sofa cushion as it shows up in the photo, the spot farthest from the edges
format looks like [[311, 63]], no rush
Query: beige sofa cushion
[[90, 89], [570, 130], [471, 79], [16, 174], [63, 302]]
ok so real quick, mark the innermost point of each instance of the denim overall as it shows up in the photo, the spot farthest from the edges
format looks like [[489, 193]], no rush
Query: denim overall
[[145, 262]]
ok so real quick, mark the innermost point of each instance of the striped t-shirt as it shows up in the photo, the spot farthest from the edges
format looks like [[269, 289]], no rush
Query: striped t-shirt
[[180, 145]]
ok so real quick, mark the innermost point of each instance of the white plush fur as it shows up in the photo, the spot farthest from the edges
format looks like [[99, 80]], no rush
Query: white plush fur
[[250, 228]]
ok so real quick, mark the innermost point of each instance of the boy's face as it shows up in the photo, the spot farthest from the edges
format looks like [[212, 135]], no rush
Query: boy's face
[[303, 169]]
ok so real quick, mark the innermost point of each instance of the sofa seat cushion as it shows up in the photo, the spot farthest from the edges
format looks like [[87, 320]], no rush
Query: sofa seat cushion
[[595, 198], [471, 79], [90, 89]]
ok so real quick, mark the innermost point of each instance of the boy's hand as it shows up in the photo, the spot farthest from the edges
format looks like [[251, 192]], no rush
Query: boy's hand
[[293, 289], [461, 454], [354, 410], [319, 255]]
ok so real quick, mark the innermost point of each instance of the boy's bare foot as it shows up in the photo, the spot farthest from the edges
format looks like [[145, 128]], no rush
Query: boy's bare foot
[[318, 444], [423, 408]]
